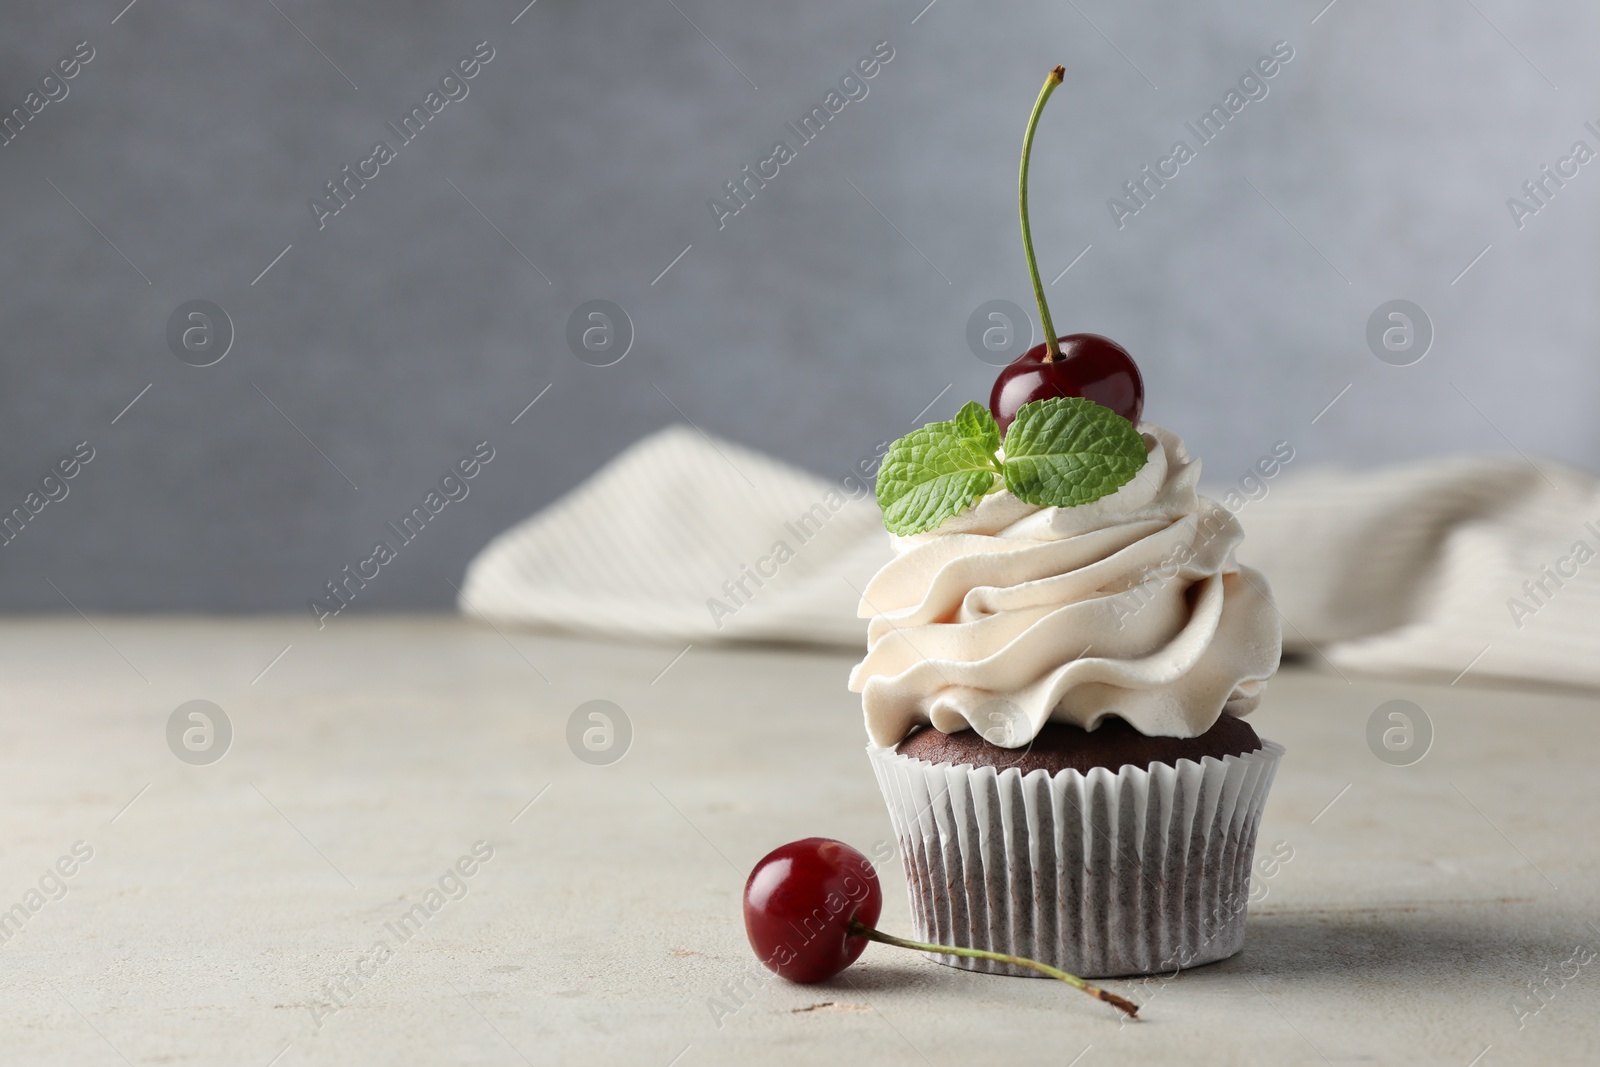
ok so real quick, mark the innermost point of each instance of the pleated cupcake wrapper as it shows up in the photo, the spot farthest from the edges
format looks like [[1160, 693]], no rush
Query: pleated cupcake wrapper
[[1110, 873]]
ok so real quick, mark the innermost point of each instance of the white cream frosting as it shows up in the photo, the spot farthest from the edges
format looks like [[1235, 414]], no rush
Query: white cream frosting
[[1010, 615]]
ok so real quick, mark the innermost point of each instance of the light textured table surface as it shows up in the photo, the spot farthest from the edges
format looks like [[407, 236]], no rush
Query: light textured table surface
[[1420, 903]]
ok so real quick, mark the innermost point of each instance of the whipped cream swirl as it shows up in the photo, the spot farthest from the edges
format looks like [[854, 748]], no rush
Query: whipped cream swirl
[[1010, 615]]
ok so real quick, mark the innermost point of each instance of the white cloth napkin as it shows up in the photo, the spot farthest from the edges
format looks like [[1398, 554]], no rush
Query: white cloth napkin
[[1454, 568]]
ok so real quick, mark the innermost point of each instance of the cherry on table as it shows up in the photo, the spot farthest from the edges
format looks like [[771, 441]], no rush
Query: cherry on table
[[1093, 367], [809, 907], [799, 903]]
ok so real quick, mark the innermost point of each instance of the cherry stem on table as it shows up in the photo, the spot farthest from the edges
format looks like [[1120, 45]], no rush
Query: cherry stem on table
[[859, 929], [1052, 346]]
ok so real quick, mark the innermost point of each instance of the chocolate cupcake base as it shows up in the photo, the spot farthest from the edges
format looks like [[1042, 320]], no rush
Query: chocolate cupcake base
[[1061, 746], [1102, 872]]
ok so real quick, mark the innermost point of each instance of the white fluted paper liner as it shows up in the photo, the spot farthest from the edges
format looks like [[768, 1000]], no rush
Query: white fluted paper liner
[[1106, 874]]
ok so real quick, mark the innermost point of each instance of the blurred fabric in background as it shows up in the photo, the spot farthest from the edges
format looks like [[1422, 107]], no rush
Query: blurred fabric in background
[[1427, 570]]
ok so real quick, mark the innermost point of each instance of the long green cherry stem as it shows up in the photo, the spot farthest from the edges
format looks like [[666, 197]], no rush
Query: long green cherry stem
[[1052, 346], [860, 929]]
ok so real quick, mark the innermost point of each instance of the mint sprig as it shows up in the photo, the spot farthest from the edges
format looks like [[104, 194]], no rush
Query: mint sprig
[[939, 471], [1067, 451], [977, 426], [1059, 452]]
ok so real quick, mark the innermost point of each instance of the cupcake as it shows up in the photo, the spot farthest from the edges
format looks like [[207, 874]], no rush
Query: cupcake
[[1054, 697], [1059, 659]]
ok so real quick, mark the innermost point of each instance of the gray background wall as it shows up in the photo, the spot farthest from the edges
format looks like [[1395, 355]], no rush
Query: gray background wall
[[407, 329]]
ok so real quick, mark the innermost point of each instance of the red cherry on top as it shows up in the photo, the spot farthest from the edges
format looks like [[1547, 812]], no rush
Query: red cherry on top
[[1093, 367], [799, 904]]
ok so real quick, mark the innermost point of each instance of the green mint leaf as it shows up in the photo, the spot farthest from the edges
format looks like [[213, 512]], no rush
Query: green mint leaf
[[975, 424], [1066, 451], [938, 471]]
